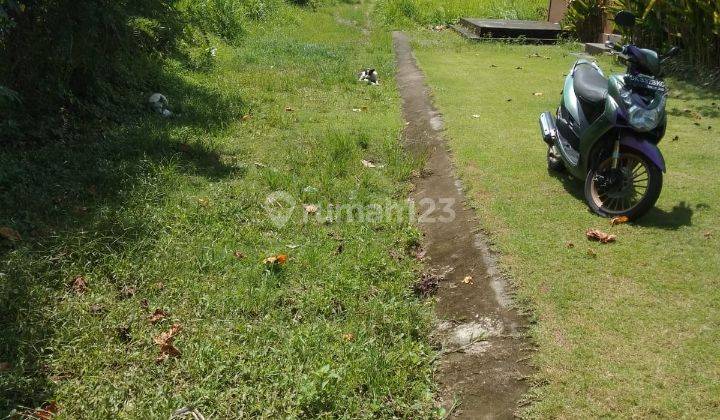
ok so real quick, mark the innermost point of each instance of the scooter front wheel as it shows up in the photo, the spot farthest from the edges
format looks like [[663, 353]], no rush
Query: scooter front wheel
[[629, 190]]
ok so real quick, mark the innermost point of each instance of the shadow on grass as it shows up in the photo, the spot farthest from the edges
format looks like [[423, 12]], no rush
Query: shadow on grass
[[57, 194], [680, 215]]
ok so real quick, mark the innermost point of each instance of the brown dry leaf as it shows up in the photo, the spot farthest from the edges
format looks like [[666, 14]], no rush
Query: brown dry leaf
[[165, 341], [468, 280], [357, 110], [368, 164], [144, 304], [569, 244], [4, 366], [310, 208], [127, 292], [707, 234], [340, 248], [279, 259], [9, 234], [239, 255], [184, 147], [79, 285], [289, 109], [47, 411], [123, 332], [348, 337], [204, 201], [618, 220], [246, 117], [538, 94], [96, 309], [159, 285], [157, 316], [364, 108], [591, 253], [600, 236]]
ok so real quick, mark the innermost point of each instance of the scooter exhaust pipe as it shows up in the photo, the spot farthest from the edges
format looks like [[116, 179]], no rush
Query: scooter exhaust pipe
[[548, 128]]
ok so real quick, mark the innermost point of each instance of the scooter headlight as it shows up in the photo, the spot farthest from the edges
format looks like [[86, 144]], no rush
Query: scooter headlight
[[645, 119], [641, 116]]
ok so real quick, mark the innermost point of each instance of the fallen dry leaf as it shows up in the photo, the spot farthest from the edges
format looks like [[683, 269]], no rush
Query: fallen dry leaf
[[279, 259], [123, 333], [538, 94], [4, 366], [246, 117], [468, 280], [357, 110], [368, 164], [79, 285], [569, 244], [348, 337], [707, 235], [159, 285], [144, 304], [239, 255], [600, 236], [165, 341], [47, 411], [427, 285], [96, 309], [157, 316], [9, 234], [204, 201], [475, 116], [289, 109], [619, 220], [127, 292], [340, 248], [184, 147], [591, 253], [310, 208]]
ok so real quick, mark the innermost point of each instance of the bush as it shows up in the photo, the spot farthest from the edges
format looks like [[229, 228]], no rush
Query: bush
[[69, 60], [692, 24]]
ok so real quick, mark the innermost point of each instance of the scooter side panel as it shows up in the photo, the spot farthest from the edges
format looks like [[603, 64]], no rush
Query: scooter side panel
[[596, 132]]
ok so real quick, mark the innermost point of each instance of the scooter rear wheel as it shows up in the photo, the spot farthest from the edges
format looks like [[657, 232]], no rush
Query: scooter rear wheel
[[630, 190]]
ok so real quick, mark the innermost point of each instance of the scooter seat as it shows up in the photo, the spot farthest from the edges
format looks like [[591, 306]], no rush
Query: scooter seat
[[589, 84]]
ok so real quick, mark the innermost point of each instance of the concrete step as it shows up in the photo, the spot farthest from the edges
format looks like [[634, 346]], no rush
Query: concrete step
[[596, 48], [532, 31], [465, 32]]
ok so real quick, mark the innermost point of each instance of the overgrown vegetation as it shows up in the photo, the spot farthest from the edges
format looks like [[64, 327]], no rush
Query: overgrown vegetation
[[628, 329], [403, 12], [693, 25], [68, 64], [168, 214]]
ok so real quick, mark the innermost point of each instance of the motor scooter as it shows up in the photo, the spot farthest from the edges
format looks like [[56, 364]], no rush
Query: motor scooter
[[606, 130]]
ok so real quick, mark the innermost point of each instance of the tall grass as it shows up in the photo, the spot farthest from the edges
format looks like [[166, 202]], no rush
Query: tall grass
[[424, 12]]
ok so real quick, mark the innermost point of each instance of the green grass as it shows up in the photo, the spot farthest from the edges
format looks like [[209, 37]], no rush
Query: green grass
[[629, 329], [405, 12], [161, 206]]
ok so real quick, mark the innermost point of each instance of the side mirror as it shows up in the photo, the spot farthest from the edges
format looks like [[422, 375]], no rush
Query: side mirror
[[625, 19]]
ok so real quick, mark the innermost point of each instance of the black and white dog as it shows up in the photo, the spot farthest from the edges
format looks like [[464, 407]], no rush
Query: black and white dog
[[370, 76]]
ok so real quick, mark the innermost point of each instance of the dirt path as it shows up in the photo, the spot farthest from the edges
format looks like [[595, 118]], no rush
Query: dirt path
[[481, 372]]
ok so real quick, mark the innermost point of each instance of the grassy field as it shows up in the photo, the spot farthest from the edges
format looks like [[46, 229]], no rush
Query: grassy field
[[169, 215], [630, 329], [401, 12]]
